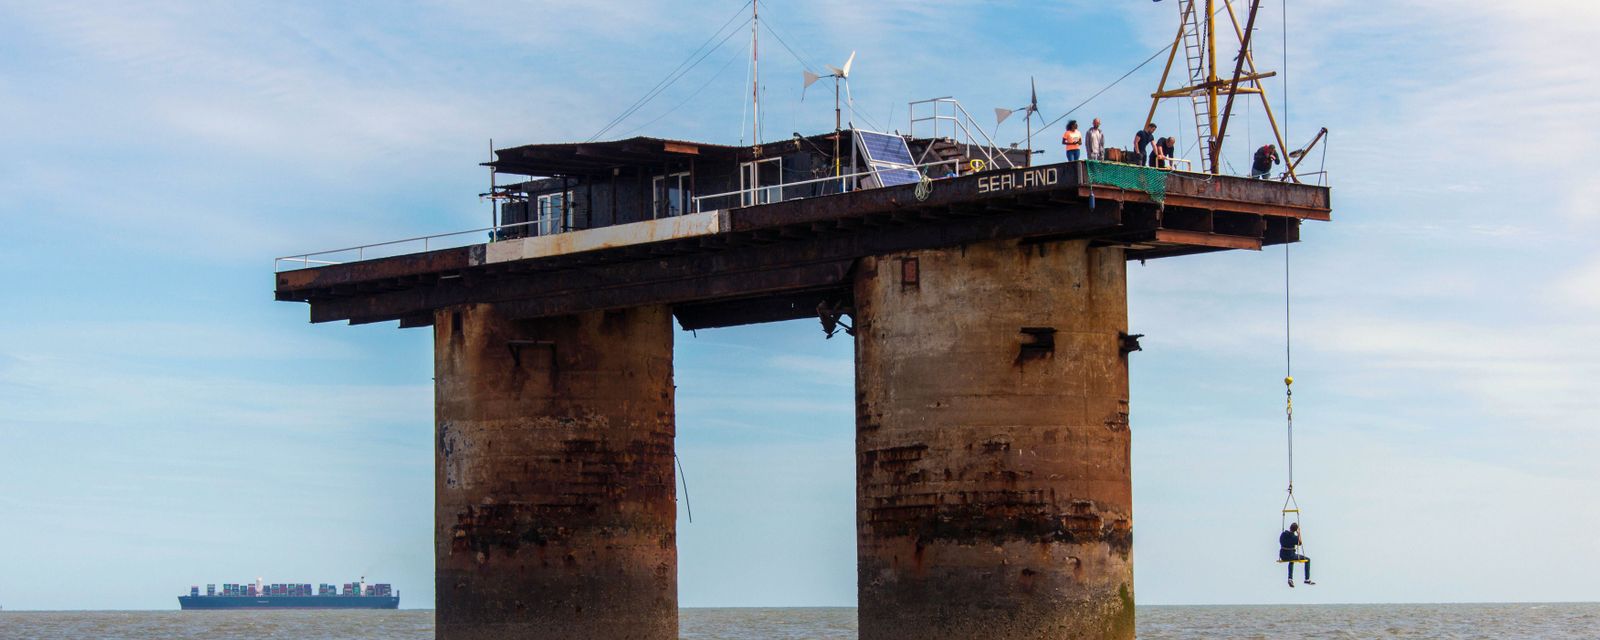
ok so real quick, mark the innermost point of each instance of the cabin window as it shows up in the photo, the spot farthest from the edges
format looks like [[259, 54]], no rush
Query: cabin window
[[555, 213], [761, 181], [672, 195]]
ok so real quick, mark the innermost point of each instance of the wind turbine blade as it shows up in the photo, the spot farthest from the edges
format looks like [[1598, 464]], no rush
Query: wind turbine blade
[[1033, 95], [1000, 115], [845, 72]]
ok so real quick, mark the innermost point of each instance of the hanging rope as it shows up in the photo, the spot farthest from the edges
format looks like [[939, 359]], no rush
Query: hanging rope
[[685, 101], [688, 64], [1289, 503], [685, 480], [1249, 128], [1284, 10], [1104, 89], [1288, 342], [1288, 364]]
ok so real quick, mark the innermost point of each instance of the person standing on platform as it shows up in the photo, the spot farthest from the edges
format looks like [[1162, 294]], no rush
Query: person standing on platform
[[1165, 151], [1073, 141], [1142, 143], [1265, 157], [1095, 139]]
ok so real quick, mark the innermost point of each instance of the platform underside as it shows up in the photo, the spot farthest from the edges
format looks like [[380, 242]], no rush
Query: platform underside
[[780, 261]]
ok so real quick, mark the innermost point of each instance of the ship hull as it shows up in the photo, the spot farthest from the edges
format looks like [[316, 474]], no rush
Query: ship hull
[[289, 602]]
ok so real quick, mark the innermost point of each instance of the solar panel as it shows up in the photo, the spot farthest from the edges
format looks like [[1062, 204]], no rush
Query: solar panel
[[891, 176], [888, 157], [882, 147]]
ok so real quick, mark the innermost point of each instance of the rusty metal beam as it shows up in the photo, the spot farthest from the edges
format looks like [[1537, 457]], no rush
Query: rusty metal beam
[[960, 196], [677, 290], [742, 311], [1203, 202], [748, 244], [724, 273], [413, 265], [1202, 239], [419, 320]]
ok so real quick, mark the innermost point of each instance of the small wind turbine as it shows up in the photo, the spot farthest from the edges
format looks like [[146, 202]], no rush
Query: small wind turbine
[[839, 73], [1000, 114]]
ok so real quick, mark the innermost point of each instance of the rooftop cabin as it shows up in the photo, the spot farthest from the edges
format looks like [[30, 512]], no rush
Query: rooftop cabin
[[734, 235], [576, 186]]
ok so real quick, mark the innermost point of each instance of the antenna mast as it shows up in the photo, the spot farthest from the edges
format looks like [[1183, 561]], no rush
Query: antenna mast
[[1033, 105], [494, 215], [755, 70]]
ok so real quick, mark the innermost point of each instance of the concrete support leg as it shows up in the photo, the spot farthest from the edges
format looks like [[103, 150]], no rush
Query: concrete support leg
[[554, 512], [993, 494]]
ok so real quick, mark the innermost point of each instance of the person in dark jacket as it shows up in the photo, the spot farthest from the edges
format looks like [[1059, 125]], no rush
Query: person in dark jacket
[[1142, 141], [1165, 148], [1288, 551], [1261, 165]]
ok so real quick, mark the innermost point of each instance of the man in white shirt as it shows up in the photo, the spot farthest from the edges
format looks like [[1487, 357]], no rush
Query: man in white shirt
[[1095, 140]]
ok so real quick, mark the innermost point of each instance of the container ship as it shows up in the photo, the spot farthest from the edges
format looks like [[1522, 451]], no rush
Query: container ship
[[352, 595]]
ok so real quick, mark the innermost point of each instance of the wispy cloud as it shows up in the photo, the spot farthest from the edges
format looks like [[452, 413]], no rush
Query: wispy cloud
[[821, 370], [1579, 288]]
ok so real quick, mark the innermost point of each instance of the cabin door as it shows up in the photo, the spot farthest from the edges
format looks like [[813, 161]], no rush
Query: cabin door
[[761, 181], [671, 195]]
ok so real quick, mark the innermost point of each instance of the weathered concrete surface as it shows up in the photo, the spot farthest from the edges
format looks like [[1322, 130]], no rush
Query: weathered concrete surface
[[689, 225], [993, 494], [554, 504]]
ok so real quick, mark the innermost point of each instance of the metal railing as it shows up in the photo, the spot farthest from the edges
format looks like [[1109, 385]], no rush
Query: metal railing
[[419, 244], [742, 202], [1322, 177], [422, 244], [959, 122]]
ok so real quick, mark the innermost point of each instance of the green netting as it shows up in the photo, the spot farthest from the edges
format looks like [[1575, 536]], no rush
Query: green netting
[[1150, 180]]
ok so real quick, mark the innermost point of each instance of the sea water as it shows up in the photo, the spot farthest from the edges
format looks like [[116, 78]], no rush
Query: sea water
[[1444, 621]]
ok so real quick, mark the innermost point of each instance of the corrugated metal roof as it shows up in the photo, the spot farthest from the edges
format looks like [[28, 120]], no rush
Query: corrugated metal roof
[[634, 139], [588, 158], [584, 158]]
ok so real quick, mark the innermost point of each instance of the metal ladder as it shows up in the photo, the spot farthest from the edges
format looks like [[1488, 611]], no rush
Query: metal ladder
[[1195, 51]]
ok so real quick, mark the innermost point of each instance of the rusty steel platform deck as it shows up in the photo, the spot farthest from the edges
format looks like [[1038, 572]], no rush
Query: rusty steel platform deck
[[778, 261]]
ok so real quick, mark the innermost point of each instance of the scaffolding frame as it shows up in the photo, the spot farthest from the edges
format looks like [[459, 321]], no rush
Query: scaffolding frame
[[1198, 37]]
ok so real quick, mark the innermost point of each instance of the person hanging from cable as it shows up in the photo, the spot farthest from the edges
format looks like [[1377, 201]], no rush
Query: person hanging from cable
[[1289, 553], [1072, 140], [1265, 157]]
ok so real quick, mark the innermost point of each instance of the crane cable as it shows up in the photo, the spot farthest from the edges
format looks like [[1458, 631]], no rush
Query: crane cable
[[1289, 503]]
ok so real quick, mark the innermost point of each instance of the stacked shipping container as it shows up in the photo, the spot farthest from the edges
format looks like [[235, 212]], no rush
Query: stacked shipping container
[[281, 589]]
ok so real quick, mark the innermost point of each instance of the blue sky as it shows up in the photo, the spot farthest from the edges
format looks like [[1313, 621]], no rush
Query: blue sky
[[164, 423]]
